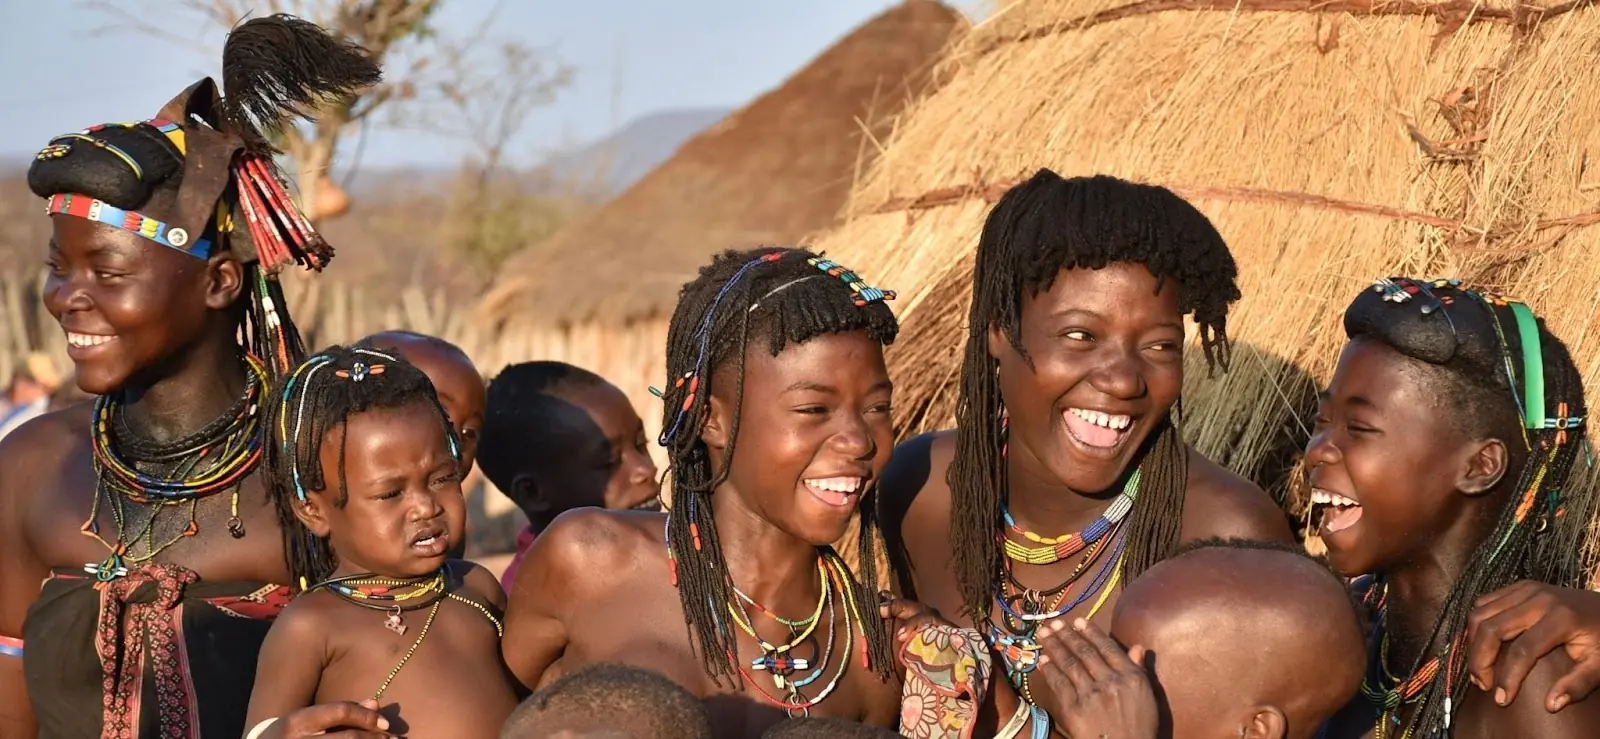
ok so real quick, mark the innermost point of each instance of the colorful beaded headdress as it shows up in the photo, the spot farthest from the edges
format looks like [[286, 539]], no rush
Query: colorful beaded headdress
[[199, 177]]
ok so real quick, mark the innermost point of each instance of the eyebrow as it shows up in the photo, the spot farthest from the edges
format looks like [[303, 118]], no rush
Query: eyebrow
[[1070, 312], [1323, 397], [803, 385]]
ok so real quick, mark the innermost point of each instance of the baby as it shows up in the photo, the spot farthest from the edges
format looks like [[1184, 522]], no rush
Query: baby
[[364, 466], [609, 701]]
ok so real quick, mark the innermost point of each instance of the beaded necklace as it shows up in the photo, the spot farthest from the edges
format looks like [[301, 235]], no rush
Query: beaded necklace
[[776, 660], [215, 458], [1391, 694], [396, 595], [1055, 549]]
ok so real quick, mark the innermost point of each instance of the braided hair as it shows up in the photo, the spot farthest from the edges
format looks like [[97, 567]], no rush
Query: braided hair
[[780, 296], [1478, 342], [1039, 228], [304, 411]]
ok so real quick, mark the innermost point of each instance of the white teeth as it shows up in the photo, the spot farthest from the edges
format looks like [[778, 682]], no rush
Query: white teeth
[[1323, 497], [1103, 420], [84, 340], [837, 484], [426, 541]]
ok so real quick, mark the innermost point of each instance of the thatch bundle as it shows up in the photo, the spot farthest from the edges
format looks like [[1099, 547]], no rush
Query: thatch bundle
[[598, 294], [1331, 141]]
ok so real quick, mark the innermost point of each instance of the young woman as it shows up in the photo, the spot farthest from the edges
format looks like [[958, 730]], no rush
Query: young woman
[[143, 510], [777, 422], [1066, 476], [1440, 464]]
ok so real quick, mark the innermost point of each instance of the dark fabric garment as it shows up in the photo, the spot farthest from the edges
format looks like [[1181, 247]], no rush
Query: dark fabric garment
[[158, 654]]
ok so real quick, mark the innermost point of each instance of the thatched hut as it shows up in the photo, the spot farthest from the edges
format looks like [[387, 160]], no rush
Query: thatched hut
[[1331, 141], [599, 293]]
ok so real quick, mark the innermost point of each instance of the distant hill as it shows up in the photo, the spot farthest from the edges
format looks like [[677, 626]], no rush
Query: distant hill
[[603, 168]]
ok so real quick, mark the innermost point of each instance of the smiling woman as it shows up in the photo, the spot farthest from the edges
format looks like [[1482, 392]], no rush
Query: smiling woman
[[168, 236]]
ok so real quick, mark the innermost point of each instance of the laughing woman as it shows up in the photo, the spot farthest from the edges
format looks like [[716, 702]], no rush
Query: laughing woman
[[141, 513], [1440, 462]]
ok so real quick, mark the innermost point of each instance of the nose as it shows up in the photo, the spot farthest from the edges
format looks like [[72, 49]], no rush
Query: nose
[[426, 505], [1121, 376], [63, 294], [854, 439], [1321, 450], [643, 470]]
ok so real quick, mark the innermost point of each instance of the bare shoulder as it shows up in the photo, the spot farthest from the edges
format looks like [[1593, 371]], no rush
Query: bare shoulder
[[915, 474], [1220, 503], [479, 582], [306, 619], [1526, 716], [31, 456], [590, 550]]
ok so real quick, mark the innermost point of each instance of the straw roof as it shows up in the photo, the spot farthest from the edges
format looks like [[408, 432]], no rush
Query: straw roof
[[775, 171], [1331, 142]]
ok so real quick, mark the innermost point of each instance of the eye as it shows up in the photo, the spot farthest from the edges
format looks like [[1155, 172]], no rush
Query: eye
[[1165, 346], [884, 407], [101, 274], [812, 410], [468, 434], [1075, 334], [388, 495]]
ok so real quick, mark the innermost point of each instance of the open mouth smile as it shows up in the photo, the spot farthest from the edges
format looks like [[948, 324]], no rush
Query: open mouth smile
[[839, 492], [1331, 512], [1098, 432], [79, 344]]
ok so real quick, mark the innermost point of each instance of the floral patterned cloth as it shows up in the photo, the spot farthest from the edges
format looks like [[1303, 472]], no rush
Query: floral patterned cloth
[[947, 676]]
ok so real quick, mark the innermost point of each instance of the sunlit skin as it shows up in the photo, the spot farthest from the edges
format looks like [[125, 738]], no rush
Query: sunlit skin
[[167, 326], [1259, 644], [460, 388], [1107, 340], [596, 585], [401, 512], [1428, 495], [602, 458]]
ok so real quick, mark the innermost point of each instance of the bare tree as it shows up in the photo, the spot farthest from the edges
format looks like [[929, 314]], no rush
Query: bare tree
[[416, 90]]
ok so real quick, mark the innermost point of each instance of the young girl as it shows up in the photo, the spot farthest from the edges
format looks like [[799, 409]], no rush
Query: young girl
[[1439, 465], [777, 425], [365, 470]]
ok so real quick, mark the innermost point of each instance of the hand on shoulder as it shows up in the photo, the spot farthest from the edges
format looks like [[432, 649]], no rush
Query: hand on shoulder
[[1513, 630]]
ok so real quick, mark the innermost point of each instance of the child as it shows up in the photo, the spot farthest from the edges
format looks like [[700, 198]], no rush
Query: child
[[364, 467], [608, 700], [455, 378], [1250, 639], [558, 437], [778, 354], [1439, 464]]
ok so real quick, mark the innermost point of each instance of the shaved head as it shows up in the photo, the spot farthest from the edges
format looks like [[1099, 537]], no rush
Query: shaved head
[[455, 378], [1245, 636]]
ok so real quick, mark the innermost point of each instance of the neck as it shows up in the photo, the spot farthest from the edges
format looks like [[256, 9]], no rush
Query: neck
[[1039, 502], [774, 568], [1419, 589], [186, 392]]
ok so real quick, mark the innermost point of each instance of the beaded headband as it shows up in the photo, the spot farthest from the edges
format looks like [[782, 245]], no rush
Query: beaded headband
[[83, 206], [1531, 400], [864, 295], [357, 372]]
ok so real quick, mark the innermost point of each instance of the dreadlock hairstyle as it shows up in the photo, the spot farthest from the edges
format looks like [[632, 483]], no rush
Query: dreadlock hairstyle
[[785, 296], [310, 407], [1039, 228], [199, 177], [1507, 376]]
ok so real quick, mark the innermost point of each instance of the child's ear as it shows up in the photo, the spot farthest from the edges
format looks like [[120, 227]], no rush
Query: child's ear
[[1485, 466], [999, 345], [525, 490], [1268, 722], [715, 434], [313, 514]]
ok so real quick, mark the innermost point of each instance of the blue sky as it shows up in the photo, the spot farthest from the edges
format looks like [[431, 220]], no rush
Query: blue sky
[[65, 70]]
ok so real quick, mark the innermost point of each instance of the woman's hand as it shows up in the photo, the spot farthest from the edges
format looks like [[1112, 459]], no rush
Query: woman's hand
[[1514, 627], [906, 618], [343, 720], [1097, 690]]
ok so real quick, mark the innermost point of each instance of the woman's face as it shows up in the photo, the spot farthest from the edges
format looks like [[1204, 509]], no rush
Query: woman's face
[[814, 432], [1390, 469], [128, 304], [1106, 351]]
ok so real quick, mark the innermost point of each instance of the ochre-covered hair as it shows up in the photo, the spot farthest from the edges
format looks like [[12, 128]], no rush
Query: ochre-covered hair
[[1039, 228], [780, 297], [199, 177]]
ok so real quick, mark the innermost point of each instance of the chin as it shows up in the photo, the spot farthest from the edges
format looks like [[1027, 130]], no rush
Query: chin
[[95, 378]]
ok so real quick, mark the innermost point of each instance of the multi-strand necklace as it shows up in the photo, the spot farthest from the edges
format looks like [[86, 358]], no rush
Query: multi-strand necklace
[[398, 595], [1391, 694], [837, 601], [1012, 631], [214, 459]]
